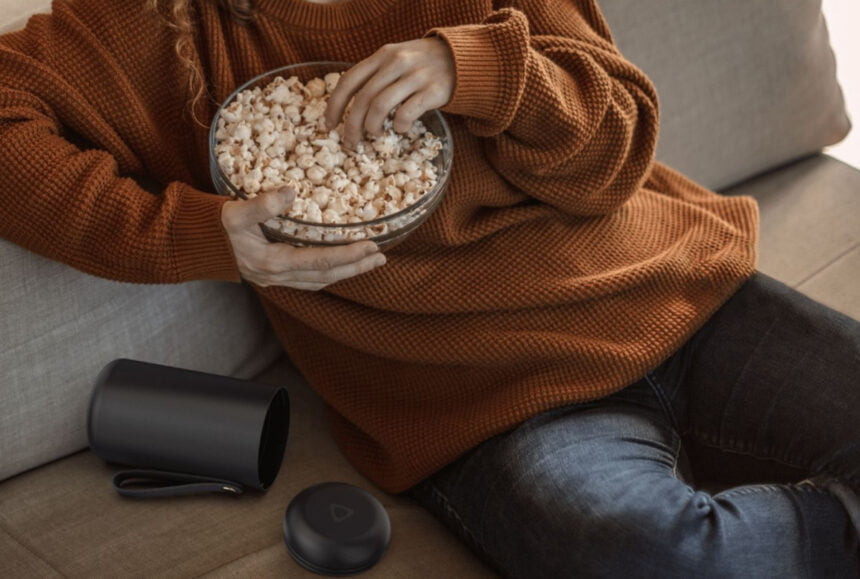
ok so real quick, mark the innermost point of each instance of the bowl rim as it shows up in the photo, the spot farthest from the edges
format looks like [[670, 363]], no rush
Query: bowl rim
[[438, 188]]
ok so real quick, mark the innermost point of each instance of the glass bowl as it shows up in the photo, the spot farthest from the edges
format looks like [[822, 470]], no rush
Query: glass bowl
[[385, 231]]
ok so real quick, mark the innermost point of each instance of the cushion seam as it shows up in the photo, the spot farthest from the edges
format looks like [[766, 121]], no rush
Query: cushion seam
[[29, 548], [826, 265], [239, 558]]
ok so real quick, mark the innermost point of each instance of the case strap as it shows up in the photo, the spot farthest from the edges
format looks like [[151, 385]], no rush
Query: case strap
[[159, 483]]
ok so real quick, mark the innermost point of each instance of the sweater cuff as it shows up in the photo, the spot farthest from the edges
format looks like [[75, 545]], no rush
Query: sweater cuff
[[490, 64], [202, 248]]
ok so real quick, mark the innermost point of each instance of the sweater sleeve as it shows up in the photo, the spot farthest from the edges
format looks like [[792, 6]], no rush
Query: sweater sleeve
[[78, 119], [564, 116]]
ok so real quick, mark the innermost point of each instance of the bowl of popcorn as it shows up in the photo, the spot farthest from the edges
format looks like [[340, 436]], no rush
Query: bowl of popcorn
[[271, 133]]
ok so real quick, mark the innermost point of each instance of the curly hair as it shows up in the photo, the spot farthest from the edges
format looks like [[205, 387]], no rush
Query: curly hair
[[179, 15]]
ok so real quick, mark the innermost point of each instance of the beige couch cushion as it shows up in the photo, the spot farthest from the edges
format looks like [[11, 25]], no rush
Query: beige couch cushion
[[743, 86], [14, 13], [810, 229]]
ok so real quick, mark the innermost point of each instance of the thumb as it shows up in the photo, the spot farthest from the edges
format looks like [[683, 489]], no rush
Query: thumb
[[270, 204]]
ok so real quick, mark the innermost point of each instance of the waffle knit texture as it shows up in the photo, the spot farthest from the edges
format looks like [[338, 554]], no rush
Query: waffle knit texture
[[562, 265]]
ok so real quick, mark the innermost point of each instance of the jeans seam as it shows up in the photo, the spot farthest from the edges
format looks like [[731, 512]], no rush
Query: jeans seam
[[770, 487], [676, 453], [453, 516], [657, 388], [711, 441], [738, 447], [665, 405]]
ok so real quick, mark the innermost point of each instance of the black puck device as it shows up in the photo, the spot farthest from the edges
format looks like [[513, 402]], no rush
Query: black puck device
[[335, 528]]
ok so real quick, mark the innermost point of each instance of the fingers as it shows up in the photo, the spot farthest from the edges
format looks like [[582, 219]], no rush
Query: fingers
[[350, 82], [378, 108], [316, 280], [270, 204], [417, 104], [314, 268], [248, 213], [317, 258], [410, 77], [266, 264], [379, 92]]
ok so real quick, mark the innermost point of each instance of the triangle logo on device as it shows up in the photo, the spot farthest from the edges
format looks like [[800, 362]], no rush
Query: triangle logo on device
[[340, 513]]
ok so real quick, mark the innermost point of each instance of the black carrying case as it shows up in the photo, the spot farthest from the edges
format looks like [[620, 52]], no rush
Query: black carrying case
[[186, 432]]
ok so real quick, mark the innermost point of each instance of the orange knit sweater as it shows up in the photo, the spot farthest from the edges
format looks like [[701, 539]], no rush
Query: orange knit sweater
[[562, 265]]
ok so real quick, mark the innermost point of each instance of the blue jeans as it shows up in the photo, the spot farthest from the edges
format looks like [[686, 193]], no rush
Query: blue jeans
[[739, 456]]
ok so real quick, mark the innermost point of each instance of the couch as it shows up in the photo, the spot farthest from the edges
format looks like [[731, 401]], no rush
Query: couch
[[750, 103]]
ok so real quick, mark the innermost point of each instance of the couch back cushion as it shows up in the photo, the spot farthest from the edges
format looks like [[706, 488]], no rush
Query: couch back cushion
[[14, 13], [743, 86], [61, 327]]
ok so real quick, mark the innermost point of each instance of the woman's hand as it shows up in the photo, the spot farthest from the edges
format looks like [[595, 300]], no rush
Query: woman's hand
[[414, 77], [266, 264]]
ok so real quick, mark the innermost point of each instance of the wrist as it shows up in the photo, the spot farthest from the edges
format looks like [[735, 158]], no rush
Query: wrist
[[202, 246], [490, 63]]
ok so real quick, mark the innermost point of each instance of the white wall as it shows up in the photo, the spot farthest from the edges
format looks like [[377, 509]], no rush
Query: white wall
[[843, 22]]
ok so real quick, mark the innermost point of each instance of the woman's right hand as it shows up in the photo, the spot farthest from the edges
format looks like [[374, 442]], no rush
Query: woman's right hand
[[279, 264]]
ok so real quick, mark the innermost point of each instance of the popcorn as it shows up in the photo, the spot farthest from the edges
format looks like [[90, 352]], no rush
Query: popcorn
[[273, 136]]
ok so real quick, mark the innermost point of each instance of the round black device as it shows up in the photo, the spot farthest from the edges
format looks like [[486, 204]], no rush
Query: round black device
[[336, 528]]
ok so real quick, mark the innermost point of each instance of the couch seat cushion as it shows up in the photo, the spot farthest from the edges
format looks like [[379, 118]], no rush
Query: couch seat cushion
[[810, 229]]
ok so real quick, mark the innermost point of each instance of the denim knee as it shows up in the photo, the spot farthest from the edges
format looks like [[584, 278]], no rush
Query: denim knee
[[754, 531], [584, 534]]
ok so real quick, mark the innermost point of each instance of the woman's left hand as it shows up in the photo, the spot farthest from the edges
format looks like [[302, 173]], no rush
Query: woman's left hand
[[414, 77]]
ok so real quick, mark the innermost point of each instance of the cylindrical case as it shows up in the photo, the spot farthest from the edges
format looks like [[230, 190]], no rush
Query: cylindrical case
[[159, 417]]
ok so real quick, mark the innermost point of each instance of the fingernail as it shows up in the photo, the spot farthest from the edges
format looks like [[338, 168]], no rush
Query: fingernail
[[380, 259]]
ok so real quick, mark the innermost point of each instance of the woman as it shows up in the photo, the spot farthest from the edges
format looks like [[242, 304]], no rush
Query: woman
[[531, 363]]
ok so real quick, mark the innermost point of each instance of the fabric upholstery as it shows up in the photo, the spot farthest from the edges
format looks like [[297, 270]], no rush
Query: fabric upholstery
[[810, 229], [21, 561], [60, 327], [743, 86], [14, 13]]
